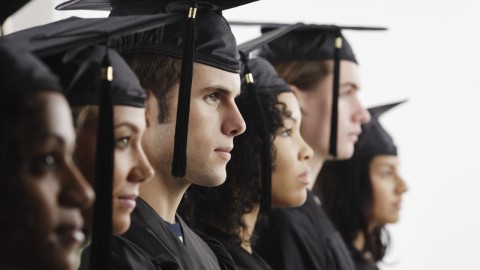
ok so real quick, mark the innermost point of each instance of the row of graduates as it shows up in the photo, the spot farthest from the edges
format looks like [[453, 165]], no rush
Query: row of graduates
[[195, 150]]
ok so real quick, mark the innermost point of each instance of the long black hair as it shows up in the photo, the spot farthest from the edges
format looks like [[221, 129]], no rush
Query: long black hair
[[224, 206], [345, 190]]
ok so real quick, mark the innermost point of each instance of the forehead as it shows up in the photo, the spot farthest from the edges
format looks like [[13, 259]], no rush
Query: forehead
[[291, 102], [56, 116], [205, 77], [349, 73], [132, 115], [382, 160]]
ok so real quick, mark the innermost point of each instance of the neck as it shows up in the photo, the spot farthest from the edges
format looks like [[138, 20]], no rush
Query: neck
[[315, 164], [246, 234], [359, 241], [164, 193]]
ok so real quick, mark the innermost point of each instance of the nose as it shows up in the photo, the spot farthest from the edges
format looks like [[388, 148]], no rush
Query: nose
[[233, 124], [306, 152], [76, 191], [142, 171], [402, 186], [360, 114]]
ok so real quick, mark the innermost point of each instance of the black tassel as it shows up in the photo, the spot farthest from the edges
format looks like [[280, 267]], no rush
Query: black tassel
[[262, 128], [102, 211], [179, 165], [336, 84]]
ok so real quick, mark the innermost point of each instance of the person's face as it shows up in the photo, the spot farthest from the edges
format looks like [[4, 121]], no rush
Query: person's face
[[317, 105], [47, 230], [214, 122], [291, 174], [388, 188], [131, 166]]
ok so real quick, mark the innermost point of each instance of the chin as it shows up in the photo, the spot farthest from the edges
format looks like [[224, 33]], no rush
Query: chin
[[120, 225], [210, 179]]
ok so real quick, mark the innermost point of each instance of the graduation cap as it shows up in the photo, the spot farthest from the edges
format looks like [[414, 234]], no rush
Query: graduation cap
[[23, 72], [204, 38], [53, 42], [313, 42], [374, 139], [259, 75]]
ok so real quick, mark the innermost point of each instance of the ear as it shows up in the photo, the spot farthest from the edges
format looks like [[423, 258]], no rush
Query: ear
[[149, 102]]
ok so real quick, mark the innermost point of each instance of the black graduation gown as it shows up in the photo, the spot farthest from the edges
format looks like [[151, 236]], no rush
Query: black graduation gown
[[303, 238], [243, 260], [149, 244]]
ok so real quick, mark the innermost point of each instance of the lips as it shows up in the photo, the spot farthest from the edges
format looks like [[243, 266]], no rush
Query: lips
[[304, 177], [398, 205], [70, 234], [128, 201], [224, 152]]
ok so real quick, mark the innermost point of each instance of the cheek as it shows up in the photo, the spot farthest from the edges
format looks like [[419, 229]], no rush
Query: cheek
[[123, 165]]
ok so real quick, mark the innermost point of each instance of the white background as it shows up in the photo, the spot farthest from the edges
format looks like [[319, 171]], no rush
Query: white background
[[430, 55]]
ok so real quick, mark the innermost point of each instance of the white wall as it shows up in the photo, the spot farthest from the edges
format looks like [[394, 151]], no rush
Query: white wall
[[431, 56]]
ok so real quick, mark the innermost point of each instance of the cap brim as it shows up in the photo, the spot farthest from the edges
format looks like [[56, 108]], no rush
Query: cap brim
[[53, 38], [106, 5]]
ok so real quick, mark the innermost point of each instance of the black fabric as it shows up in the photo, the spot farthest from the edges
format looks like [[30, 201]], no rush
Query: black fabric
[[54, 38], [80, 73], [265, 77], [302, 238], [8, 8], [215, 44], [374, 139], [310, 42], [243, 260], [150, 244], [23, 72]]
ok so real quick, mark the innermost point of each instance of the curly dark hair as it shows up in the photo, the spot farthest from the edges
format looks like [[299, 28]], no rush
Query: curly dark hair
[[224, 206], [345, 189]]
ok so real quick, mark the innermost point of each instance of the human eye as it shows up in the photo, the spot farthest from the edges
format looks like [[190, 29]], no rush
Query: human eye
[[286, 132], [122, 142], [213, 97], [386, 173], [43, 163]]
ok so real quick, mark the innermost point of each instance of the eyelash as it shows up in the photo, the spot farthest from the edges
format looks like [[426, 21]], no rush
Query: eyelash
[[213, 97], [43, 163], [122, 143], [286, 132]]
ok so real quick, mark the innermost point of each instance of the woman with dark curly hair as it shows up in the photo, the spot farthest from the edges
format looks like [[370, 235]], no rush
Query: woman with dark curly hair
[[43, 192], [373, 196], [228, 213]]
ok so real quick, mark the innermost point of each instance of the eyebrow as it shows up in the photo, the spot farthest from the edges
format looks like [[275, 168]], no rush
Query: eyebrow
[[128, 125], [295, 120], [47, 135], [224, 90]]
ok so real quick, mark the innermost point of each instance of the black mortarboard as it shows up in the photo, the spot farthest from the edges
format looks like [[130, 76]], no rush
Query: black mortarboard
[[374, 139], [313, 42], [259, 75], [78, 71], [24, 72], [52, 41], [7, 8], [205, 38]]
